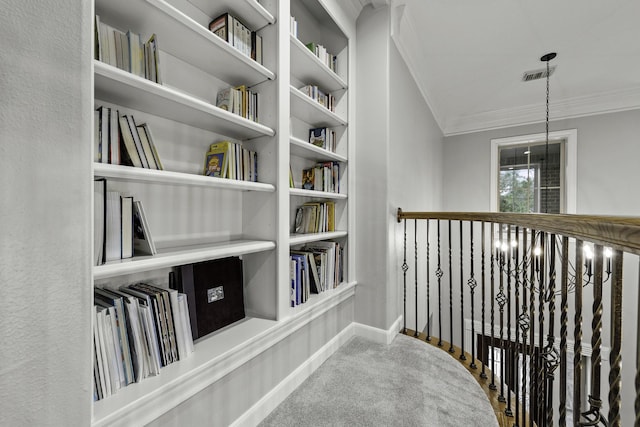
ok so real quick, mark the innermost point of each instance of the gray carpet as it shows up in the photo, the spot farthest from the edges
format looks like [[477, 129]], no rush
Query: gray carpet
[[407, 383]]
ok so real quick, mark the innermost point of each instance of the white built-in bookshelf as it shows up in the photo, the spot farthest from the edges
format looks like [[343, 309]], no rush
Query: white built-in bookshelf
[[195, 218]]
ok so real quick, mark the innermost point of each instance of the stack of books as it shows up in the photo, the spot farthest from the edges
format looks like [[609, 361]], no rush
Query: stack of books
[[327, 100], [322, 177], [233, 31], [226, 159], [138, 329], [121, 229], [327, 58], [314, 268], [315, 217], [239, 100], [323, 138], [120, 141], [127, 52]]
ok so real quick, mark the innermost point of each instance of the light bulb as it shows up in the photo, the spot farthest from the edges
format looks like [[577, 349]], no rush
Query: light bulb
[[537, 251]]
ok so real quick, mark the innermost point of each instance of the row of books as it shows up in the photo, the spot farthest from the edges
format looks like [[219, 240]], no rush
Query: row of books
[[315, 217], [323, 138], [239, 100], [138, 329], [322, 177], [327, 100], [327, 58], [119, 140], [293, 26], [314, 268], [127, 52], [121, 229], [233, 31], [226, 159]]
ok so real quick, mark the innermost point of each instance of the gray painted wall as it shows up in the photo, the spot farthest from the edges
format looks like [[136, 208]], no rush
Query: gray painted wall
[[45, 214], [399, 156]]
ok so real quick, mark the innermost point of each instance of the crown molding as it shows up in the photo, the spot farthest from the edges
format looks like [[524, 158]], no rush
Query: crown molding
[[601, 103]]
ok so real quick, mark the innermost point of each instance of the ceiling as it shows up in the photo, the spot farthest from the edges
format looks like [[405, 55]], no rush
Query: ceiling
[[468, 58]]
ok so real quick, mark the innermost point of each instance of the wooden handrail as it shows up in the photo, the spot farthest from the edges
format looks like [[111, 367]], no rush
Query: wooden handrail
[[617, 232]]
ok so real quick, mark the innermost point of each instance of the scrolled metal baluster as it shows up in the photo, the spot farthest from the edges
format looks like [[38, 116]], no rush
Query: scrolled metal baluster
[[551, 355], [483, 374], [541, 410], [533, 359], [472, 283], [492, 386], [501, 299], [615, 357], [594, 415], [415, 243], [516, 345], [451, 349], [637, 382], [405, 267], [428, 333], [439, 275], [523, 322], [508, 361], [462, 355], [564, 304], [577, 336]]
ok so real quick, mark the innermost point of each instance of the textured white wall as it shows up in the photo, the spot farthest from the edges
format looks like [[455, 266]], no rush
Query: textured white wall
[[45, 214]]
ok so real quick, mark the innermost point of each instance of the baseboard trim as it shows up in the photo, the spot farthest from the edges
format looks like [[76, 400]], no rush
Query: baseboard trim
[[279, 393], [377, 334]]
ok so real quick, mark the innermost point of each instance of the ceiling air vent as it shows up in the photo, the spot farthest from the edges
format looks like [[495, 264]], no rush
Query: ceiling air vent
[[537, 74]]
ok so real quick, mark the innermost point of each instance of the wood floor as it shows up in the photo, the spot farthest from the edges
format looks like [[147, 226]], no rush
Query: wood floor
[[498, 407]]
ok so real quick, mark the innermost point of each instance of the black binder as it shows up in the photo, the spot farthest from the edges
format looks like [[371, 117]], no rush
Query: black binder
[[214, 292]]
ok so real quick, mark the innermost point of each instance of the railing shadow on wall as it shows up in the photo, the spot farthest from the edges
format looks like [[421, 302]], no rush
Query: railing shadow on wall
[[537, 304]]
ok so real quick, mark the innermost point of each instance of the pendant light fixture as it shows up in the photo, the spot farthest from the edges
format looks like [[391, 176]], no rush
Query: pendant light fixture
[[546, 58]]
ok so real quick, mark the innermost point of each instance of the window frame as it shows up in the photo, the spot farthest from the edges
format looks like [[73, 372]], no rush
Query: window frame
[[570, 166]]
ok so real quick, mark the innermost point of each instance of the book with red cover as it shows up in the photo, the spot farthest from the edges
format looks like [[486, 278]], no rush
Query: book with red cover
[[214, 292]]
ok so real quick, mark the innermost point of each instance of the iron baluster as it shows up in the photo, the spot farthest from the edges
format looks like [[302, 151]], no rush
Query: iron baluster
[[516, 345], [615, 357], [428, 332], [483, 374], [439, 276], [462, 356], [533, 359], [451, 349], [541, 410], [563, 331], [508, 362], [472, 285], [415, 243], [551, 355], [405, 267], [492, 386], [594, 415], [501, 300], [577, 336]]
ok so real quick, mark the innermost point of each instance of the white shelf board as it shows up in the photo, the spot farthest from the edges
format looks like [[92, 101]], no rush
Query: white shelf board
[[123, 88], [182, 37], [170, 257], [316, 194], [212, 354], [214, 357], [307, 67], [152, 176], [312, 112], [250, 12], [297, 239], [301, 148]]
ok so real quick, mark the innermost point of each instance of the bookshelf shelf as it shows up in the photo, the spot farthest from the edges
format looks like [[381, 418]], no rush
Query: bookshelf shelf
[[250, 12], [123, 88], [151, 176], [298, 239], [308, 68], [176, 30], [301, 148], [316, 194], [169, 257], [312, 112]]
